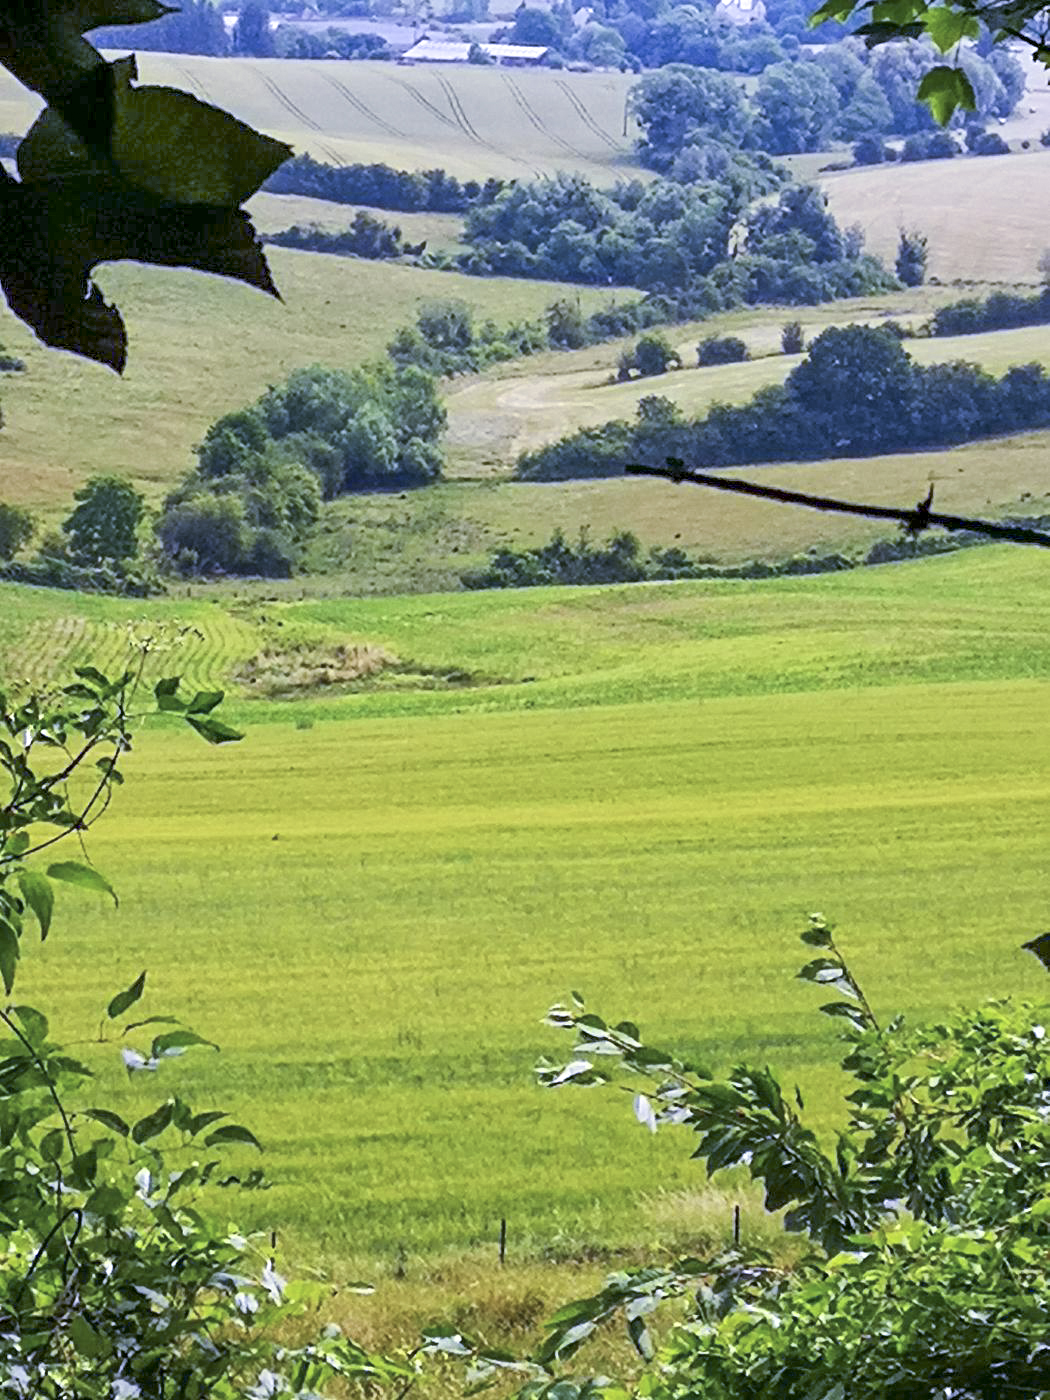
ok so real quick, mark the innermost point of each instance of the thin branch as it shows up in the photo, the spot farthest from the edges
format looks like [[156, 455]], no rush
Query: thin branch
[[919, 517]]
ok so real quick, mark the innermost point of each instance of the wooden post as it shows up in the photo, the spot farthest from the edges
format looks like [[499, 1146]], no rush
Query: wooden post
[[502, 1243], [736, 1225]]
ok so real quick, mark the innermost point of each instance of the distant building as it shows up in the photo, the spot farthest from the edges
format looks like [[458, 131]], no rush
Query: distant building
[[741, 12], [455, 51]]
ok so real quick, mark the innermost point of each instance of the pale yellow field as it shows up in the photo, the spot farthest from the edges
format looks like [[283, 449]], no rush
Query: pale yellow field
[[985, 217], [473, 122]]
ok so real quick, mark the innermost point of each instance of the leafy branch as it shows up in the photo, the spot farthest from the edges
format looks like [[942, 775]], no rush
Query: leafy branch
[[916, 519], [113, 1283]]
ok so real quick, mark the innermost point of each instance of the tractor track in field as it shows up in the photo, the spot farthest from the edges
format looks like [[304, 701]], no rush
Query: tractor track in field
[[456, 107], [427, 105], [537, 121], [360, 106], [194, 84], [289, 106], [586, 117]]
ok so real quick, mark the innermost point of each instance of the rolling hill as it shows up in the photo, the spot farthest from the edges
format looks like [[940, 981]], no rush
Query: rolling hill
[[986, 217], [473, 122]]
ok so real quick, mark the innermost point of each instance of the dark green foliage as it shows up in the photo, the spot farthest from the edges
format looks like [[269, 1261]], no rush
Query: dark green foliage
[[380, 186], [445, 341], [104, 525], [911, 258], [251, 35], [798, 107], [367, 237], [989, 143], [196, 27], [262, 471], [17, 527], [675, 240], [857, 393], [721, 350], [619, 560], [999, 311], [869, 150], [930, 145], [653, 355], [792, 338], [681, 102]]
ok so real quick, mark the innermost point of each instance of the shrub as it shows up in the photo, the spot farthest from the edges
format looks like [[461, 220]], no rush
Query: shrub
[[792, 338], [653, 355], [721, 350], [990, 143], [869, 150], [911, 258]]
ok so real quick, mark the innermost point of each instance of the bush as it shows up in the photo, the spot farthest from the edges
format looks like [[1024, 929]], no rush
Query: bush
[[911, 258], [653, 355], [869, 150], [989, 143], [792, 338], [721, 350]]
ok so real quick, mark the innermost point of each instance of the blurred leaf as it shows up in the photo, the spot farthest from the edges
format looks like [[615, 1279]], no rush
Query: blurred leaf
[[233, 1133], [944, 90], [213, 729]]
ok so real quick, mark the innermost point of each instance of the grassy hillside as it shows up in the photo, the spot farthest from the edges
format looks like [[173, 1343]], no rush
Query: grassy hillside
[[372, 916], [985, 218], [201, 346], [474, 122], [273, 212], [530, 403]]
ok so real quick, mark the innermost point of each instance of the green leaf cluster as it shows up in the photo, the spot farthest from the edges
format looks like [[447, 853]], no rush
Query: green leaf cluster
[[926, 1218]]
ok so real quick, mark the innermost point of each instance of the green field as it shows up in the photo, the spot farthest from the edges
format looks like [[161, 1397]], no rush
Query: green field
[[639, 792], [474, 122]]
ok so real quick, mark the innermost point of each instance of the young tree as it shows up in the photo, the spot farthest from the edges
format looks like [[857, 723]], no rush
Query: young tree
[[105, 523], [16, 529], [792, 338], [911, 258]]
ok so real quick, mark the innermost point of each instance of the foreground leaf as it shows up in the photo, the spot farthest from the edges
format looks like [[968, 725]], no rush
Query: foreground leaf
[[51, 237]]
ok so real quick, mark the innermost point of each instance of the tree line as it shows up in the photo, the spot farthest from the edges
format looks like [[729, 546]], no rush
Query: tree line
[[856, 394]]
